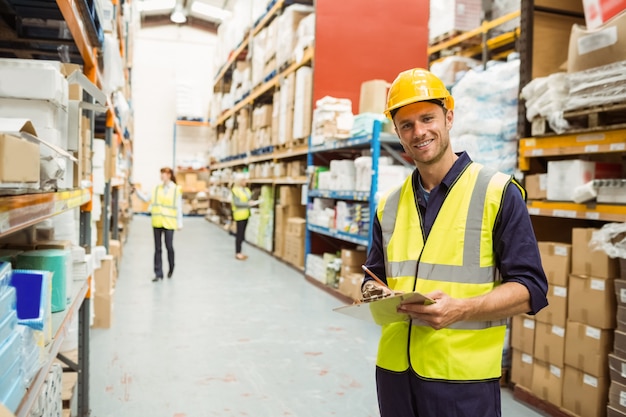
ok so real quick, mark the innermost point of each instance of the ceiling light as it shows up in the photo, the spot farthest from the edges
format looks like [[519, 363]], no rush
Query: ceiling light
[[208, 11], [178, 15]]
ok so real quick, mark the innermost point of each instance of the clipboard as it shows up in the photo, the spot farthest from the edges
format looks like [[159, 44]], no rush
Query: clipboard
[[384, 310]]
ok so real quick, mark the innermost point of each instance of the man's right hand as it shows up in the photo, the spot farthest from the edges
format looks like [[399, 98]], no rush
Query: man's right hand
[[372, 290]]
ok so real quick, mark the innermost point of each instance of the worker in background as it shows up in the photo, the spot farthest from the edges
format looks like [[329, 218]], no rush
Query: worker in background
[[241, 203], [459, 233], [166, 209]]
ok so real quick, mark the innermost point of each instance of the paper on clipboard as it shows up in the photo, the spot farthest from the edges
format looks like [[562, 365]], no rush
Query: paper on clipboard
[[385, 310]]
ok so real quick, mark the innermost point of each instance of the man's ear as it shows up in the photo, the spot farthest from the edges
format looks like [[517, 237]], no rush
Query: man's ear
[[449, 119]]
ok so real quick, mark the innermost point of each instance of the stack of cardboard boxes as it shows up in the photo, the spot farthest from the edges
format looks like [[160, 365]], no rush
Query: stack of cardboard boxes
[[617, 359], [294, 241], [351, 275], [104, 278], [562, 354], [289, 206]]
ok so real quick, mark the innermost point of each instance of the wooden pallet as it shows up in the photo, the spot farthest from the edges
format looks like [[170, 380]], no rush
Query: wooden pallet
[[299, 142], [524, 395], [609, 116]]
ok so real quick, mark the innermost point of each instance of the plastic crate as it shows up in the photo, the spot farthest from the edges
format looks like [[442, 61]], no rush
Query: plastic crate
[[11, 393], [7, 325], [7, 301], [10, 350]]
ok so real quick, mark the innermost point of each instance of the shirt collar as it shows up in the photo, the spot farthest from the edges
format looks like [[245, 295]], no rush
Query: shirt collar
[[457, 168]]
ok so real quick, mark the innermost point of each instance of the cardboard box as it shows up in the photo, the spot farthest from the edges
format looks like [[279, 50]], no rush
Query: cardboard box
[[565, 176], [598, 12], [548, 57], [617, 368], [617, 396], [536, 186], [620, 291], [348, 270], [54, 244], [103, 310], [587, 348], [621, 318], [294, 250], [556, 311], [303, 103], [350, 285], [614, 412], [591, 263], [549, 343], [547, 382], [115, 249], [373, 98], [590, 48], [353, 257], [522, 368], [584, 394], [523, 333], [104, 276], [619, 344], [592, 301], [296, 227], [290, 195], [556, 259], [19, 158]]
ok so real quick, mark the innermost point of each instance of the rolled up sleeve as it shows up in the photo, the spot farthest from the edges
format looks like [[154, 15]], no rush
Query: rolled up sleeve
[[516, 249]]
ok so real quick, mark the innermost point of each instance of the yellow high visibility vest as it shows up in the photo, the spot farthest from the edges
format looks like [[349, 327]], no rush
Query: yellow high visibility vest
[[164, 207], [243, 194], [458, 259]]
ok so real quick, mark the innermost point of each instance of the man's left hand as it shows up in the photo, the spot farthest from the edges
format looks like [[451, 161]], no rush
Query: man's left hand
[[443, 313]]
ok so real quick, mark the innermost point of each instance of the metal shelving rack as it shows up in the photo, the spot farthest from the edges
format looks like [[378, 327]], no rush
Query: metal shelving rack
[[377, 142]]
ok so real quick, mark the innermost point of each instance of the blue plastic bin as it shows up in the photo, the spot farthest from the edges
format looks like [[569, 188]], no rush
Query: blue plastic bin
[[32, 296]]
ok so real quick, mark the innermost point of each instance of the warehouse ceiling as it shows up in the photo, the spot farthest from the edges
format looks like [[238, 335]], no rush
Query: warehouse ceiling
[[203, 14]]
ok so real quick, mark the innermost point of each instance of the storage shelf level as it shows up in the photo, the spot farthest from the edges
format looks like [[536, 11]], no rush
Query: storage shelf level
[[571, 144], [602, 212], [60, 326], [265, 87], [347, 237], [276, 155], [353, 142], [19, 212], [341, 195]]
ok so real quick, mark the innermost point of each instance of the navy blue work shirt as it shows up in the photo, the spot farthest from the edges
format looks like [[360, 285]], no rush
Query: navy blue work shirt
[[515, 245]]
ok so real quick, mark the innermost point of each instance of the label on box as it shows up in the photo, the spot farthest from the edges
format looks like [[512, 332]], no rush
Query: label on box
[[537, 152], [529, 324], [597, 40], [592, 215], [622, 398], [569, 214], [559, 331], [597, 284], [555, 370], [533, 211], [617, 146], [560, 250], [589, 380], [622, 295], [526, 358], [592, 332], [559, 291], [591, 148]]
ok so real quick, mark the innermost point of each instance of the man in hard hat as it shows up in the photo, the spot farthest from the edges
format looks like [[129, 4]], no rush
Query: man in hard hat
[[459, 233]]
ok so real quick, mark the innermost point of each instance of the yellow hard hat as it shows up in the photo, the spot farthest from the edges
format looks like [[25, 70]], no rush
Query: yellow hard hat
[[416, 85]]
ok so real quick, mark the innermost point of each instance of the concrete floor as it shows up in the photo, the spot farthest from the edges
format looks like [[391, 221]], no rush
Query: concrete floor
[[230, 338]]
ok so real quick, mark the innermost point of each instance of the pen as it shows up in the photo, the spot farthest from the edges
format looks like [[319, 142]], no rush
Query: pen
[[371, 274]]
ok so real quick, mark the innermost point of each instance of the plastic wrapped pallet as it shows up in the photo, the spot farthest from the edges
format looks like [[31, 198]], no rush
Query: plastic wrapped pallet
[[288, 31], [447, 16], [485, 123], [303, 102], [332, 119]]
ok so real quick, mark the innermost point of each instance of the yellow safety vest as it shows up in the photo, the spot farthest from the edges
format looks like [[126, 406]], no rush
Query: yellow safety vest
[[458, 259], [164, 207], [243, 194]]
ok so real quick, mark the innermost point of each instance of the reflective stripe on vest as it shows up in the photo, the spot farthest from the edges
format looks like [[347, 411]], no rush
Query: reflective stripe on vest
[[244, 195], [164, 207], [458, 259]]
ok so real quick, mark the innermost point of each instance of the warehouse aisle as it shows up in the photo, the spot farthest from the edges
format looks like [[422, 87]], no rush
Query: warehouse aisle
[[229, 338]]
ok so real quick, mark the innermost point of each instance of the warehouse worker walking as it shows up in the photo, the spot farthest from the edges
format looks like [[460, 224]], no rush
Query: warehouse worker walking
[[241, 203], [166, 209], [459, 233]]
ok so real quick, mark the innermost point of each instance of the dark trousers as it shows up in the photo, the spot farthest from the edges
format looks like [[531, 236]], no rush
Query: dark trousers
[[241, 234], [404, 394], [169, 245]]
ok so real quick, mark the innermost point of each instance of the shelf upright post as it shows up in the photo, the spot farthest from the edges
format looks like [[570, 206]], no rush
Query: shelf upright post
[[107, 191], [174, 148], [526, 62], [307, 233], [84, 315], [375, 149]]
